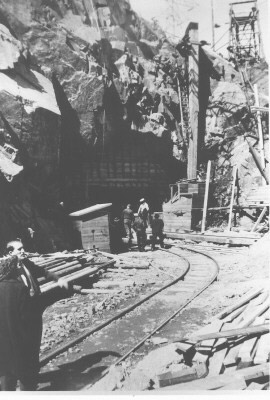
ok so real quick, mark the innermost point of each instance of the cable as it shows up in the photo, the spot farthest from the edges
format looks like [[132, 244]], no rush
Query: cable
[[221, 38], [225, 44]]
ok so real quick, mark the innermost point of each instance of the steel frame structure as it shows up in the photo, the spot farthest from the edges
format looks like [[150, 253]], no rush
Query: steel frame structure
[[245, 35]]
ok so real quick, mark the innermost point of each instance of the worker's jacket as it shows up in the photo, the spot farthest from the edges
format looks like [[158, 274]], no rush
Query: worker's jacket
[[128, 215], [139, 227], [157, 226]]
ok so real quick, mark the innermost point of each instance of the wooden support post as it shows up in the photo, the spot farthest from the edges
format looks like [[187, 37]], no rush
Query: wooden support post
[[257, 161], [181, 109], [193, 71], [232, 198], [262, 214], [259, 121], [206, 195], [171, 193], [178, 186]]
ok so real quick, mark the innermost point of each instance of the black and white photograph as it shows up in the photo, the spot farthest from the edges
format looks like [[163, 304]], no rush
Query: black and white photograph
[[134, 198]]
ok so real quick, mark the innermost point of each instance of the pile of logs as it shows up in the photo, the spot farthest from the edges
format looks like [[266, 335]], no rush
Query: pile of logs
[[72, 266], [230, 353]]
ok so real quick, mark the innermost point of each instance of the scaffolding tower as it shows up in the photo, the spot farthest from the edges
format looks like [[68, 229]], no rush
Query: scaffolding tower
[[245, 35]]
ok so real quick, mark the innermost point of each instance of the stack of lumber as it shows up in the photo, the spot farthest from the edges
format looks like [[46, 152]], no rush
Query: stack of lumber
[[72, 266], [234, 347]]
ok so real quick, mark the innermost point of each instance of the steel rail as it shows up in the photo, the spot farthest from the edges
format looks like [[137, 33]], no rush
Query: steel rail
[[45, 359], [167, 320]]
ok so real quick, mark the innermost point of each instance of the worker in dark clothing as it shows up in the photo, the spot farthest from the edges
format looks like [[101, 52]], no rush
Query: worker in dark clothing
[[16, 309], [157, 231], [139, 228], [21, 308], [128, 219], [116, 231]]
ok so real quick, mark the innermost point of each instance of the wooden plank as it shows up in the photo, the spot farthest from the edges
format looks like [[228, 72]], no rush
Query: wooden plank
[[255, 386], [231, 356], [216, 382], [185, 374], [253, 315], [216, 365], [232, 198], [205, 346], [112, 284], [246, 352], [257, 161], [222, 239], [245, 299], [262, 353], [208, 174], [246, 331], [235, 314], [259, 122], [252, 304], [88, 211], [262, 214], [236, 384]]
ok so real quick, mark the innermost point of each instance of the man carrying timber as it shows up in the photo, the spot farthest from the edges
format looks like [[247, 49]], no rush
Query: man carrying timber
[[21, 308], [143, 212]]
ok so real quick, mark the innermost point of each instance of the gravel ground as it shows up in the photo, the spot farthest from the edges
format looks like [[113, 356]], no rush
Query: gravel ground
[[69, 317]]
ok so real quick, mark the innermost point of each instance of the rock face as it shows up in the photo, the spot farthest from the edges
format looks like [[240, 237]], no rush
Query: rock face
[[229, 119], [30, 122], [91, 62]]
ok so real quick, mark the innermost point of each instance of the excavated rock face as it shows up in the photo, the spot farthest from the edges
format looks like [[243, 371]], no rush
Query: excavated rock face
[[95, 66], [30, 135], [228, 120]]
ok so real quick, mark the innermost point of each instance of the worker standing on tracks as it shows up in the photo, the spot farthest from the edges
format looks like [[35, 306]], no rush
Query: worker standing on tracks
[[128, 219], [139, 228], [21, 308], [157, 231], [143, 212]]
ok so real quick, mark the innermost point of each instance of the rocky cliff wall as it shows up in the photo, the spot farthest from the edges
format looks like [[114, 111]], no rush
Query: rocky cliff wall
[[79, 76], [230, 119]]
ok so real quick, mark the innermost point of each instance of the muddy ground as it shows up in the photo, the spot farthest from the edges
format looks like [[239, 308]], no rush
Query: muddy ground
[[241, 268]]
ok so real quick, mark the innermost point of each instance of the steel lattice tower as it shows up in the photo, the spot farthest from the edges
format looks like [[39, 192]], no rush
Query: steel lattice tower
[[245, 36]]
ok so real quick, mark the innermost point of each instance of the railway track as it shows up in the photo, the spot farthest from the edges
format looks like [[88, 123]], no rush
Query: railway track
[[140, 321]]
